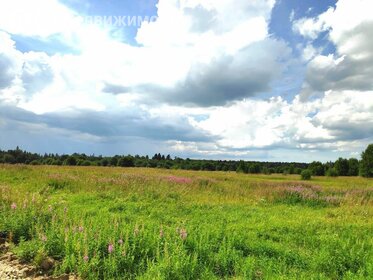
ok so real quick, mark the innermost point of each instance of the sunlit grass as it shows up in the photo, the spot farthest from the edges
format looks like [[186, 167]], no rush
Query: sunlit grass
[[115, 223]]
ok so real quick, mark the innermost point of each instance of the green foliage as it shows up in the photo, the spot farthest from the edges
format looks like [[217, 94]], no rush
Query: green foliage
[[26, 251], [126, 161], [71, 160], [332, 172], [317, 168], [366, 164], [341, 166], [306, 174], [254, 168], [157, 161], [176, 224], [353, 167], [242, 167]]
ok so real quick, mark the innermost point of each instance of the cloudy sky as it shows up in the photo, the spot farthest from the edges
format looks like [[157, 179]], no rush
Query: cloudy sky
[[272, 80]]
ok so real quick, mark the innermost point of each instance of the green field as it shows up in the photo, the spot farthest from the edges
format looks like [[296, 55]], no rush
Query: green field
[[117, 223]]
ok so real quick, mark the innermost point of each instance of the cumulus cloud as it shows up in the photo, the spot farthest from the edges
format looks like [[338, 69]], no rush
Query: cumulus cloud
[[332, 121], [199, 53], [350, 68], [9, 60], [22, 74], [249, 72], [37, 72], [194, 83]]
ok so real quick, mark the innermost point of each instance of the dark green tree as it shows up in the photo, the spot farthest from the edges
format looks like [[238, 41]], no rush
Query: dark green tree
[[242, 167], [127, 161], [70, 161], [254, 168], [317, 168], [353, 167], [366, 163], [341, 166]]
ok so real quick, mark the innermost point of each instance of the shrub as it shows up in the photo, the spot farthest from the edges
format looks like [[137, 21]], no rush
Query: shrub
[[27, 250], [127, 161], [306, 174], [332, 172], [70, 161]]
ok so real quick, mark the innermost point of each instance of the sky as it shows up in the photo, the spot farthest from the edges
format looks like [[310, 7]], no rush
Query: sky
[[268, 80]]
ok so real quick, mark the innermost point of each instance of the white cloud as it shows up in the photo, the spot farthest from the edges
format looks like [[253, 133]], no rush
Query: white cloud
[[329, 122], [309, 27], [309, 52], [172, 48], [40, 18], [350, 30], [10, 61], [203, 53]]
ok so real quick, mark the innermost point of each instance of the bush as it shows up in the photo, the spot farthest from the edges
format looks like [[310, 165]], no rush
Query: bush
[[332, 172], [127, 161], [27, 250], [70, 161], [306, 174]]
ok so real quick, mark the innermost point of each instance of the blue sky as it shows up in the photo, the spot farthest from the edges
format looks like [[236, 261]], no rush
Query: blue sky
[[270, 80]]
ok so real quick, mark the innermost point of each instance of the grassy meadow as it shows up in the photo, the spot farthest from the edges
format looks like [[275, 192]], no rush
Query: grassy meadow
[[134, 223]]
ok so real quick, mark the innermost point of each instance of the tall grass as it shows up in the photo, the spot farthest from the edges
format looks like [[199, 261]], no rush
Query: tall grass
[[102, 223]]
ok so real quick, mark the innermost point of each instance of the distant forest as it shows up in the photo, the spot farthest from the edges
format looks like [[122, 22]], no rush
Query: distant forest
[[341, 167]]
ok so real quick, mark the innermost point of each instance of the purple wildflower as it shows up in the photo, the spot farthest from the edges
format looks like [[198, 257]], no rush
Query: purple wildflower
[[179, 180], [110, 248]]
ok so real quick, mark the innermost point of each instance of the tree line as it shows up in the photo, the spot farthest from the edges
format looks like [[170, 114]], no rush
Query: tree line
[[341, 167]]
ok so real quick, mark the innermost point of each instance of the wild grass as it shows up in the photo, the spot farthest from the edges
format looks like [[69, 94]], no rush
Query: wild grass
[[116, 223]]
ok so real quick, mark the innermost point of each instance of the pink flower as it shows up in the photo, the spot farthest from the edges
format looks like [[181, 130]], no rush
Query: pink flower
[[81, 229], [110, 248], [13, 206], [179, 180], [183, 234], [86, 258]]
